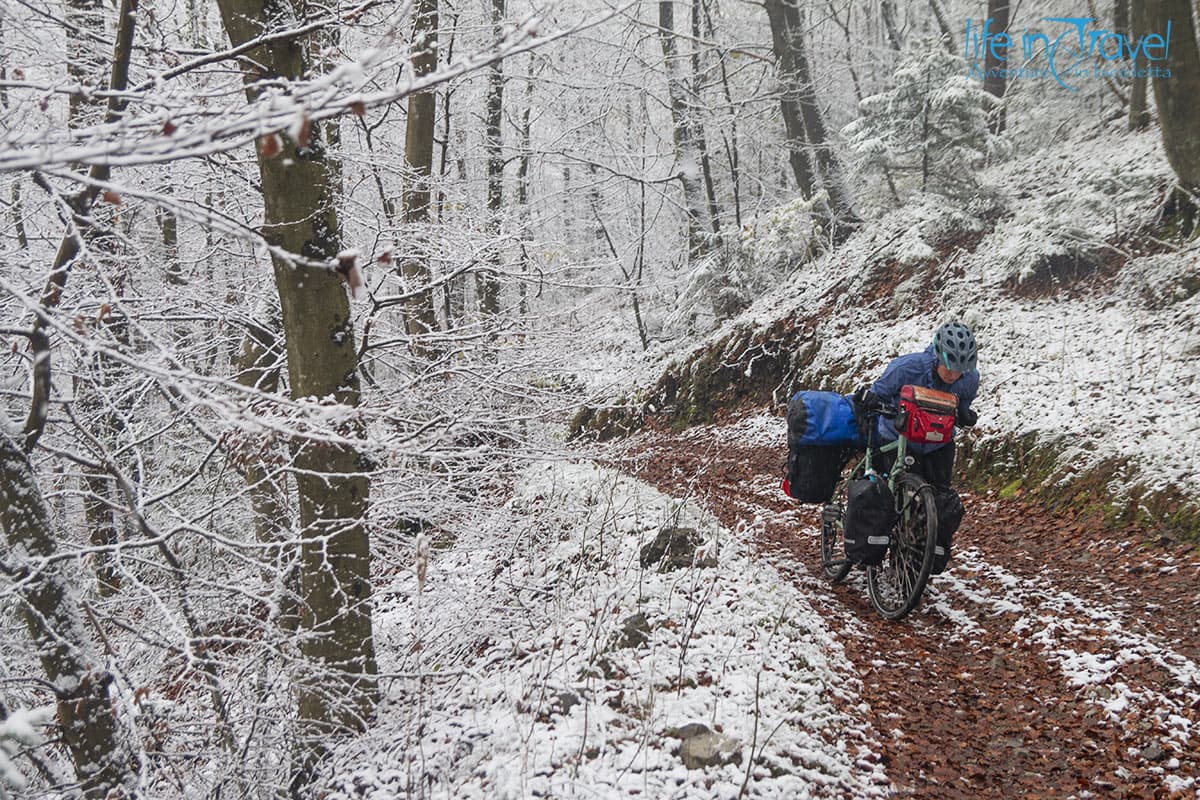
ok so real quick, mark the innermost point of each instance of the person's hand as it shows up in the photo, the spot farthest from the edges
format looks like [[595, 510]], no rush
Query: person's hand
[[966, 418], [865, 400]]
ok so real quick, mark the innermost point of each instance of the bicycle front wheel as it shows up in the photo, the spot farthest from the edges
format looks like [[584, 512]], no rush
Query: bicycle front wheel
[[896, 585]]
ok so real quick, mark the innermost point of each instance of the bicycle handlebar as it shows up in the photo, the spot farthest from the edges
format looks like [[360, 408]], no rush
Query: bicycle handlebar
[[884, 410], [891, 412]]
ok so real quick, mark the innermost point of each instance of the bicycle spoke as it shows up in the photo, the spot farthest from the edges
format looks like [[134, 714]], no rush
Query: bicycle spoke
[[896, 587]]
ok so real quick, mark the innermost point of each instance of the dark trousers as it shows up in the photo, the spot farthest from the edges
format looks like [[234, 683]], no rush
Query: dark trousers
[[936, 468]]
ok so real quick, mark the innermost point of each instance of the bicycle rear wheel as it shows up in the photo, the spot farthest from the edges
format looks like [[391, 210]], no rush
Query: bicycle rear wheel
[[834, 564], [896, 585]]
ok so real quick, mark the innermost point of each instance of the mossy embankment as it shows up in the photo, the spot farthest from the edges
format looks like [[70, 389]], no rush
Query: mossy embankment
[[1116, 492]]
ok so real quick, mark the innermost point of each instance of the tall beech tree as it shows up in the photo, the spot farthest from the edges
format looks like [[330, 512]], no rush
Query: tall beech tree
[[809, 146], [86, 66], [487, 280], [418, 152], [90, 729], [943, 22], [688, 155], [1175, 97], [1139, 108], [994, 81], [887, 10], [339, 691]]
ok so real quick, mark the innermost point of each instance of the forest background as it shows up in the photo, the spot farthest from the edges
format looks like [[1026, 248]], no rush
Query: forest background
[[294, 294]]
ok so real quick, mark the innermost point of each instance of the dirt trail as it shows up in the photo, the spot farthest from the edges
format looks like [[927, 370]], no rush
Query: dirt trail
[[1052, 660]]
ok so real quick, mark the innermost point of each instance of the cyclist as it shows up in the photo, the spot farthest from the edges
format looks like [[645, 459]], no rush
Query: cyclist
[[947, 365]]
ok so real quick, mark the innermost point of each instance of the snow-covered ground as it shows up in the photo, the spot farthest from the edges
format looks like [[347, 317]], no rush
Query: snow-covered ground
[[508, 678]]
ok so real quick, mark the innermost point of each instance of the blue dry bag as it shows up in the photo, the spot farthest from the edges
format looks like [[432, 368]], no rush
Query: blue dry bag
[[821, 433], [822, 418]]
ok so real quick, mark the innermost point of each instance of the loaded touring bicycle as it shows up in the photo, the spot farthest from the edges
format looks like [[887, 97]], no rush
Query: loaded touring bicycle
[[881, 515]]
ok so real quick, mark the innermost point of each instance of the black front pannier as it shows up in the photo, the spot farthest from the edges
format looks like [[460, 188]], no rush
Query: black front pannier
[[870, 514], [812, 472], [820, 430], [950, 513]]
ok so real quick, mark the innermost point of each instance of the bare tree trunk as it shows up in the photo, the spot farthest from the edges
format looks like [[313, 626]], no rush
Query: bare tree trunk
[[845, 26], [593, 192], [523, 190], [197, 23], [687, 153], [887, 10], [258, 366], [568, 213], [420, 319], [456, 290], [1139, 109], [629, 275], [994, 82], [487, 280], [18, 213], [789, 102], [84, 65], [168, 226], [1175, 97], [732, 151], [91, 731], [639, 267], [453, 291], [103, 532], [694, 106], [943, 21], [806, 125], [340, 690]]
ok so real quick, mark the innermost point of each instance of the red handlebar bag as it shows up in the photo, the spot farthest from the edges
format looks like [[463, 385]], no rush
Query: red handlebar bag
[[929, 414]]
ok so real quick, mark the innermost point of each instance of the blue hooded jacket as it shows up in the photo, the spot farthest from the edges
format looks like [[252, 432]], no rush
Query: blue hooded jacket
[[919, 369]]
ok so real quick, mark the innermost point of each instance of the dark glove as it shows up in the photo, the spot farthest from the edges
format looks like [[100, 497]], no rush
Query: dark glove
[[966, 418], [865, 404], [865, 400]]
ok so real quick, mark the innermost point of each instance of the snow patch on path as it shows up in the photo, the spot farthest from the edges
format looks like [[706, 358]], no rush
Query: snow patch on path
[[1091, 643]]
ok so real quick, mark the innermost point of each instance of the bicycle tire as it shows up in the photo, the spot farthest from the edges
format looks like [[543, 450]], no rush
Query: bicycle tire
[[834, 565], [896, 585]]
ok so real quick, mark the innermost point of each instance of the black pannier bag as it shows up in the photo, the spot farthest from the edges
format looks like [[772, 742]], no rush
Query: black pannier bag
[[812, 472], [950, 513], [870, 514], [821, 428]]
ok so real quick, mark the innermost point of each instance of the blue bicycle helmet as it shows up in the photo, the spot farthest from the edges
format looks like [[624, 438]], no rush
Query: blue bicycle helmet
[[955, 347]]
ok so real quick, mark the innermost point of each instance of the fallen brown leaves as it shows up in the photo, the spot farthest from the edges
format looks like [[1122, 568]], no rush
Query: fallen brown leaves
[[980, 713]]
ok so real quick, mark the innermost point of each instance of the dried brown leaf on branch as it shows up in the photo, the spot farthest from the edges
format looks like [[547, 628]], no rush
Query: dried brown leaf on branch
[[269, 146]]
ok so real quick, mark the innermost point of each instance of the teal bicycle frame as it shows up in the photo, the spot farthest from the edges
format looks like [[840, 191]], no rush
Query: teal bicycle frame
[[895, 587], [900, 447]]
